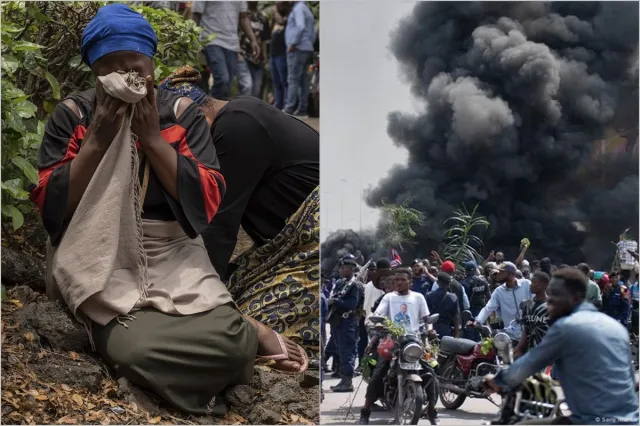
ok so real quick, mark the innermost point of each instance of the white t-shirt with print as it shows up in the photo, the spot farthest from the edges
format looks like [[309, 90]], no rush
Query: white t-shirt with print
[[406, 310]]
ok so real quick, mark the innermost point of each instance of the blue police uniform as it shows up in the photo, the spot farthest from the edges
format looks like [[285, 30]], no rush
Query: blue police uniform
[[419, 285], [345, 329], [616, 304], [324, 311]]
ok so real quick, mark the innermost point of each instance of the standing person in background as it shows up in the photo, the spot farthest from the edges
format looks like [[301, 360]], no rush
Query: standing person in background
[[278, 61], [419, 279], [250, 66], [534, 315], [299, 37], [221, 18], [444, 302], [593, 290]]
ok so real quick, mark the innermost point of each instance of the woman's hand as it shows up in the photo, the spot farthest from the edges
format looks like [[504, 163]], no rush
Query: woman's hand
[[146, 121], [107, 119]]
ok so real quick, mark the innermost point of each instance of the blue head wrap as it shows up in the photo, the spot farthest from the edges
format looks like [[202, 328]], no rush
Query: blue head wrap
[[117, 28]]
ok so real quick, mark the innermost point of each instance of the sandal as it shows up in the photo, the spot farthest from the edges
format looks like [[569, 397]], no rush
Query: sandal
[[285, 356]]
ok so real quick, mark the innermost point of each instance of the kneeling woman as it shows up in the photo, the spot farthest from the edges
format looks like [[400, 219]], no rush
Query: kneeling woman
[[143, 285]]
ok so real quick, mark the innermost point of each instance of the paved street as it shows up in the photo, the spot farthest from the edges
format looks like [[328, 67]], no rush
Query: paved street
[[334, 409]]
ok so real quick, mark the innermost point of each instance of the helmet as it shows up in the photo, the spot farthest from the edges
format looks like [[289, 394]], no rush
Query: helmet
[[385, 349]]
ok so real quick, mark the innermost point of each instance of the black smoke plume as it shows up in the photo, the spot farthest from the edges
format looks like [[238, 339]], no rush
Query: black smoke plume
[[345, 242], [516, 95]]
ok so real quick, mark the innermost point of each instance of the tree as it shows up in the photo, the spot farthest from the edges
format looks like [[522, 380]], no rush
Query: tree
[[462, 244], [398, 223]]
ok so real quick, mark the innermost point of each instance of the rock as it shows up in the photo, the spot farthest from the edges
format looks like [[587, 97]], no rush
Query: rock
[[262, 414], [55, 324], [22, 268], [240, 397], [83, 376], [283, 393], [23, 293], [306, 409], [310, 379]]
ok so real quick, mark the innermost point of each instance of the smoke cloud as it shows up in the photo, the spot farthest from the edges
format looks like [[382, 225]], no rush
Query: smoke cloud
[[516, 96]]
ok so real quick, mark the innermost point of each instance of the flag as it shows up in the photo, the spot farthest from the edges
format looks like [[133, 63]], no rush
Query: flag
[[396, 261]]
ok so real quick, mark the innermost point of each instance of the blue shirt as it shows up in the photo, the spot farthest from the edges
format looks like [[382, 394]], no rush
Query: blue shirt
[[593, 362], [300, 31], [446, 304], [465, 298], [418, 284], [507, 301]]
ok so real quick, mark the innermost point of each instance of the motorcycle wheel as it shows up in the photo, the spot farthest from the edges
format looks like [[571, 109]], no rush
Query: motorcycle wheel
[[450, 400], [411, 408]]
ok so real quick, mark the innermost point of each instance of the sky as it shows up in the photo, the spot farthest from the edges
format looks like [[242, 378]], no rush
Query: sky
[[360, 85]]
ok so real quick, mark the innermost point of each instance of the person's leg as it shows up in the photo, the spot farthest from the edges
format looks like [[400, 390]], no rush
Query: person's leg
[[363, 339], [257, 71], [173, 356], [294, 75], [284, 77], [217, 61], [245, 82], [276, 78], [303, 102], [232, 67], [375, 389], [347, 346]]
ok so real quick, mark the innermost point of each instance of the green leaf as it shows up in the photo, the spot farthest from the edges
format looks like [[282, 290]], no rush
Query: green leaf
[[31, 140], [49, 107], [25, 109], [40, 129], [55, 86], [26, 46], [17, 219], [10, 63], [13, 121], [14, 188], [27, 168], [12, 92], [4, 293]]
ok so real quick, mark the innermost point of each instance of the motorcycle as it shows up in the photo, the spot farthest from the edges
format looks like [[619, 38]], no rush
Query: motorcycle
[[403, 391], [430, 383], [464, 363], [536, 398]]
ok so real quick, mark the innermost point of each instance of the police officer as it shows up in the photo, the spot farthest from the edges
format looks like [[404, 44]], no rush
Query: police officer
[[616, 300], [344, 321], [476, 287]]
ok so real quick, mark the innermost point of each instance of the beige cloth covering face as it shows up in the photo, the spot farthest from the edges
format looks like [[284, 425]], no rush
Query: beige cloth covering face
[[110, 261]]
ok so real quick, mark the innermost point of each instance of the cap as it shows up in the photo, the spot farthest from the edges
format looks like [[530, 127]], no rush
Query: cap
[[470, 265], [508, 267], [416, 261], [348, 261], [448, 266], [525, 262]]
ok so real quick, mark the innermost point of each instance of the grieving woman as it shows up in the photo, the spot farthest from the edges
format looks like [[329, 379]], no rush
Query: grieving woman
[[154, 306]]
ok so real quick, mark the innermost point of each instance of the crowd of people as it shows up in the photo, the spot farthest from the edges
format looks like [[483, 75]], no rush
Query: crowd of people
[[143, 188], [534, 302], [246, 41]]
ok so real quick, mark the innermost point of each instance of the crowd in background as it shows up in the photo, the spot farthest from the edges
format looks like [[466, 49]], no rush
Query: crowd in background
[[247, 43], [506, 295]]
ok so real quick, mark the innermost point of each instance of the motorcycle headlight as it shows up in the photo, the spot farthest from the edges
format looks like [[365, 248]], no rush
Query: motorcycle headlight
[[412, 352], [501, 341]]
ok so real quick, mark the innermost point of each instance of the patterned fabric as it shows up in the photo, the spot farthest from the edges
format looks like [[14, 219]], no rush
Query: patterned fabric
[[184, 81], [277, 283]]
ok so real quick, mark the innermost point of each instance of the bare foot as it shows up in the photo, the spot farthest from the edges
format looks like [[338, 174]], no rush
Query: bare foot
[[269, 346]]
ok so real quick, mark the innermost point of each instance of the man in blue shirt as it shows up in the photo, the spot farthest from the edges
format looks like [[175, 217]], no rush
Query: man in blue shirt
[[591, 354], [442, 302], [419, 279], [299, 36]]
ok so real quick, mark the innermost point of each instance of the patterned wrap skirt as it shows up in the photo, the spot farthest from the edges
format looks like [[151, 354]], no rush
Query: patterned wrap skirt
[[278, 282]]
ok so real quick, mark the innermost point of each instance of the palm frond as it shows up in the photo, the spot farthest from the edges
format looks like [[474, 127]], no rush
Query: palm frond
[[462, 244]]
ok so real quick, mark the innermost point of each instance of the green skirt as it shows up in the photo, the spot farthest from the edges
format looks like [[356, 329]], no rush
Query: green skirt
[[186, 360]]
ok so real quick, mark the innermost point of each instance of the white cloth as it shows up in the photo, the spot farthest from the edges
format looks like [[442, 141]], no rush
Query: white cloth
[[626, 260], [404, 310], [371, 294]]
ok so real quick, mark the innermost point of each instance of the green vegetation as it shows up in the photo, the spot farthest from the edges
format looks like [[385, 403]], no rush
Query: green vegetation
[[461, 244], [398, 223]]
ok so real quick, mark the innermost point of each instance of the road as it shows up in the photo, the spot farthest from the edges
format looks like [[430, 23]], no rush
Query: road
[[334, 408]]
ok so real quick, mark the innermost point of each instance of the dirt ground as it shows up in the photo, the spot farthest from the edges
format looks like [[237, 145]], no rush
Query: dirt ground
[[50, 375]]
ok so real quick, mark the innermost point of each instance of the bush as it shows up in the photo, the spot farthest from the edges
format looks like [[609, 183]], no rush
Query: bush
[[41, 65]]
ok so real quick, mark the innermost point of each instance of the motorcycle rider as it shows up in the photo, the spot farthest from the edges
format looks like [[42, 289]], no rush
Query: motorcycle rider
[[389, 307], [507, 299], [534, 315], [344, 322], [578, 339]]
